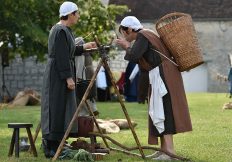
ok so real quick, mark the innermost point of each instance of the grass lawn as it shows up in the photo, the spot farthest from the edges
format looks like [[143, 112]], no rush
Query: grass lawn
[[210, 140]]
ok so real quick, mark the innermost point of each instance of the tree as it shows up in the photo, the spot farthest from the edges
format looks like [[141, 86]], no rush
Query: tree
[[25, 25]]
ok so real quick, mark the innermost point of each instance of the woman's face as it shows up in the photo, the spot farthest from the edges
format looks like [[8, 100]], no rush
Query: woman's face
[[128, 35], [74, 17]]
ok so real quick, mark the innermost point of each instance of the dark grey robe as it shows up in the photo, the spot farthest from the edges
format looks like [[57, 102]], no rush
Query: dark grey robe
[[58, 102]]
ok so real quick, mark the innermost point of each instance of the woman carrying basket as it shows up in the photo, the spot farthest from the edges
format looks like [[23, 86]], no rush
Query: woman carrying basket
[[168, 108]]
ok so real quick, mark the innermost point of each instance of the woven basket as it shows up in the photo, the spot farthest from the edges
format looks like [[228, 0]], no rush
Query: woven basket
[[178, 34]]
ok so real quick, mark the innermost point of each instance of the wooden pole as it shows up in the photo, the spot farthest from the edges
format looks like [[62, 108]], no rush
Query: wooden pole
[[124, 108], [125, 152], [36, 134], [77, 111], [128, 149], [95, 121]]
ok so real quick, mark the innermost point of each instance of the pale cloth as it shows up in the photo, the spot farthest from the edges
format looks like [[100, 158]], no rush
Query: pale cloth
[[80, 67], [134, 72], [80, 61], [158, 90], [101, 79]]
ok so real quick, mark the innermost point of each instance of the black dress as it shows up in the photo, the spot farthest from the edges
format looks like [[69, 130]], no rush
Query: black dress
[[58, 102]]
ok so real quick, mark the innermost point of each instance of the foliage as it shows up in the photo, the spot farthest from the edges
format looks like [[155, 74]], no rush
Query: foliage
[[210, 140], [25, 25]]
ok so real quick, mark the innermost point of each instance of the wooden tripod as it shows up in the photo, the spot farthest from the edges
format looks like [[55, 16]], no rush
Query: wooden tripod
[[103, 62]]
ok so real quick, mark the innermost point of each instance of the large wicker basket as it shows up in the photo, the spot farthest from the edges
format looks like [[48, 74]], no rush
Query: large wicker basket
[[178, 34]]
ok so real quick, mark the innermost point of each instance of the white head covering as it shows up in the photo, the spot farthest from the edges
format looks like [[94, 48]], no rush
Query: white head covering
[[131, 22], [67, 8]]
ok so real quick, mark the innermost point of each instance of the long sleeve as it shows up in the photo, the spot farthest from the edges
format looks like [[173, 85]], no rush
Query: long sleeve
[[79, 50], [140, 46], [62, 56], [143, 48]]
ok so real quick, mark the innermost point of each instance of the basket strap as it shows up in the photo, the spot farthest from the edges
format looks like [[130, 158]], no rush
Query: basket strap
[[165, 57], [145, 65]]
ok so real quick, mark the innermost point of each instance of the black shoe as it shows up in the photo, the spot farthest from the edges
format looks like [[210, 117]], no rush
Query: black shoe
[[54, 145], [46, 148], [47, 155], [50, 154]]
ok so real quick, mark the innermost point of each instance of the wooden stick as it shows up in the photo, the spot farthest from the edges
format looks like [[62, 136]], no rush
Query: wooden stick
[[97, 125], [124, 108], [125, 152], [32, 144], [36, 134], [158, 149], [136, 148], [77, 111], [134, 154], [110, 139]]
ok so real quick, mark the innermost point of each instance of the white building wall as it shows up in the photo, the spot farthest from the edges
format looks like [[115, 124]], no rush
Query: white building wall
[[196, 80]]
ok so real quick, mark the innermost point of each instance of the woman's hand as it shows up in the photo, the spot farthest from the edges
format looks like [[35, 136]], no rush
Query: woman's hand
[[90, 45], [70, 83], [122, 43]]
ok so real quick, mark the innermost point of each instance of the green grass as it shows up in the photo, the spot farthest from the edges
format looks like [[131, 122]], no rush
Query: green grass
[[210, 140]]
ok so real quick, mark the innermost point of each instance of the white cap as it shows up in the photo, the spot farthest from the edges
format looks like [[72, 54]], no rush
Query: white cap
[[131, 22], [67, 8]]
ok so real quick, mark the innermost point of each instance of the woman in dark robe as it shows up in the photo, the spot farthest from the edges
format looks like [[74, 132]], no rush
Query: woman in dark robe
[[172, 106], [58, 91]]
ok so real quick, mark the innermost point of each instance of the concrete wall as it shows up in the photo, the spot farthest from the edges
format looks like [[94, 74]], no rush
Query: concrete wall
[[28, 74], [117, 62], [24, 73], [215, 41]]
